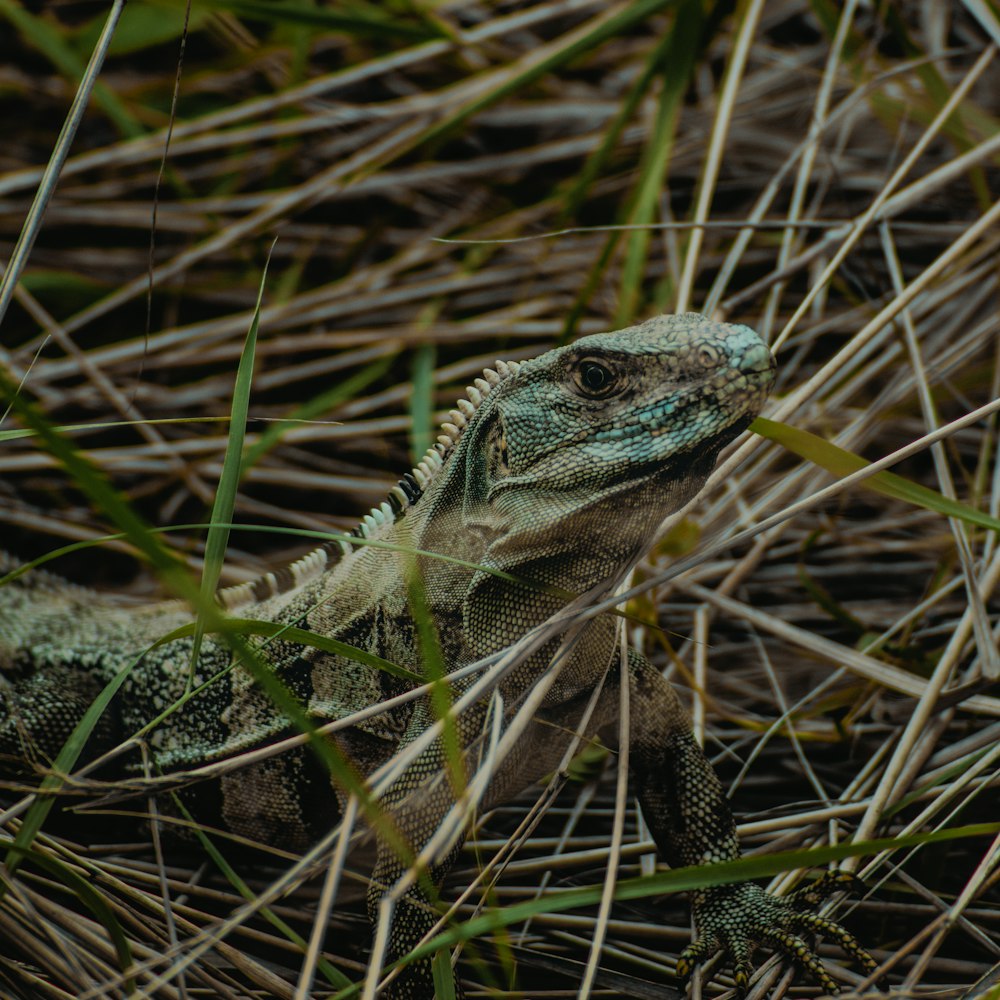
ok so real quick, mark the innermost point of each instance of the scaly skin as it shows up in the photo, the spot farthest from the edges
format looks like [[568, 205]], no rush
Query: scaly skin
[[555, 472]]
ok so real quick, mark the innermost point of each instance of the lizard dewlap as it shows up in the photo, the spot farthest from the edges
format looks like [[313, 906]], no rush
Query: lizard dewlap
[[547, 482]]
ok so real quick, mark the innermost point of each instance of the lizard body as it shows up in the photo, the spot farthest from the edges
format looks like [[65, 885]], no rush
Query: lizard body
[[550, 480]]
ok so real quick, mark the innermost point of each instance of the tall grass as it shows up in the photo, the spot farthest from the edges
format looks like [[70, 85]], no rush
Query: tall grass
[[446, 183]]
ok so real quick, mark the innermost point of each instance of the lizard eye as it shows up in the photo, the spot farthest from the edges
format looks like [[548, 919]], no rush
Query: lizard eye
[[594, 378]]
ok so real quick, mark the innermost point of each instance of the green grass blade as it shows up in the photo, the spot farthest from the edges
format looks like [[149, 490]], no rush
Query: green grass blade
[[444, 979], [422, 400], [595, 162], [290, 12], [679, 59], [686, 879], [531, 68], [841, 463], [15, 264], [291, 633], [269, 529], [64, 763], [217, 540], [436, 670], [946, 775], [101, 493], [144, 25], [21, 432], [43, 36], [333, 975], [315, 408], [82, 889], [674, 58]]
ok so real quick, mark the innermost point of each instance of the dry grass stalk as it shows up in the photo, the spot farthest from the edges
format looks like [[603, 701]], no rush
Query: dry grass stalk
[[831, 181]]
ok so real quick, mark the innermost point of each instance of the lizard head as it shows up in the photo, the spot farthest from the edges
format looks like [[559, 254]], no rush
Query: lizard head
[[575, 458], [656, 401], [569, 462]]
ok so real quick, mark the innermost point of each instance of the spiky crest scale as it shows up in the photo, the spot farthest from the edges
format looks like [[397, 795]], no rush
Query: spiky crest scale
[[401, 497]]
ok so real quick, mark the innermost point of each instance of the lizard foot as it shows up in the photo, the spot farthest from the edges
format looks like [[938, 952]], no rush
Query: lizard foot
[[737, 918]]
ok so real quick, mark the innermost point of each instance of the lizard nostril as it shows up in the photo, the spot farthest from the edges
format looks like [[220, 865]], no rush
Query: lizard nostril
[[757, 358]]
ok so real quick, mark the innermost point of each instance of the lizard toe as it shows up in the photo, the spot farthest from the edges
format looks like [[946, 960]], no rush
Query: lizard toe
[[796, 948], [741, 953], [831, 929], [694, 954], [738, 949]]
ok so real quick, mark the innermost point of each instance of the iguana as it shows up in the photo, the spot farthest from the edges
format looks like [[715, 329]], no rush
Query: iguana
[[548, 481]]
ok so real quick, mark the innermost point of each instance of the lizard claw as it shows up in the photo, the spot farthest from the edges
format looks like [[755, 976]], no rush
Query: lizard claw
[[694, 954], [740, 951], [737, 918], [835, 880]]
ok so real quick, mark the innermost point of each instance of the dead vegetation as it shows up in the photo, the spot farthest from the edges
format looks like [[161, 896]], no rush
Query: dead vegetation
[[440, 184]]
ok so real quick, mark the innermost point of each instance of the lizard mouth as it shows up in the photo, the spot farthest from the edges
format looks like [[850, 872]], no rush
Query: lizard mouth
[[703, 455], [699, 459], [732, 432]]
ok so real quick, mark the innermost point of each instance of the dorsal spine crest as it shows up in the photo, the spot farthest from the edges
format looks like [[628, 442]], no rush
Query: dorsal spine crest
[[401, 498]]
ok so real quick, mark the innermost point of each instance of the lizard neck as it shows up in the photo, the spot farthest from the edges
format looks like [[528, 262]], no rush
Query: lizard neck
[[564, 541]]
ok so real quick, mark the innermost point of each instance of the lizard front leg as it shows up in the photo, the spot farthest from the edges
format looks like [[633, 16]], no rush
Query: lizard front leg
[[686, 809]]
